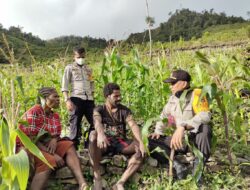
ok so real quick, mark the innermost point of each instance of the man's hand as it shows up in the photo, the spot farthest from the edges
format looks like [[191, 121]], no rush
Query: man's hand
[[176, 141], [70, 106], [154, 136], [51, 148], [102, 141], [59, 161], [142, 149]]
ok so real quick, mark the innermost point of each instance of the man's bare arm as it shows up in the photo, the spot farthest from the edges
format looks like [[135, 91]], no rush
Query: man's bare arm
[[137, 133], [135, 129], [98, 123], [102, 141]]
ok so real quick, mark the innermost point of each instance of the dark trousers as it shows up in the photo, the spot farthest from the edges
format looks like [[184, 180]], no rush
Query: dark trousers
[[82, 108], [201, 140]]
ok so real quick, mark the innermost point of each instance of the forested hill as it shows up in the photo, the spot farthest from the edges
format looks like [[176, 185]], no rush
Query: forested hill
[[183, 23], [23, 44], [186, 24]]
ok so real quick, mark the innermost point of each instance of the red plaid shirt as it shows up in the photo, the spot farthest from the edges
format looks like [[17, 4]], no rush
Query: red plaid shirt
[[38, 120]]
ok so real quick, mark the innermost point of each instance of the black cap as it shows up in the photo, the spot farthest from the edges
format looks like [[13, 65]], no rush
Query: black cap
[[178, 75]]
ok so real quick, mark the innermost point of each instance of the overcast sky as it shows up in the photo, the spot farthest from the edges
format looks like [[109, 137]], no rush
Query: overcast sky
[[101, 18]]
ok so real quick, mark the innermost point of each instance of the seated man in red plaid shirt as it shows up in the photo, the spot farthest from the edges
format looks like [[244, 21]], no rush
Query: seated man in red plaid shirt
[[57, 151]]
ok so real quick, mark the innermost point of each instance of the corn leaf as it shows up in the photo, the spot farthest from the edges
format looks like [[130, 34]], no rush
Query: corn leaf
[[202, 57], [182, 99], [20, 166], [20, 83], [3, 186], [12, 142], [145, 132], [31, 147], [199, 155], [4, 138]]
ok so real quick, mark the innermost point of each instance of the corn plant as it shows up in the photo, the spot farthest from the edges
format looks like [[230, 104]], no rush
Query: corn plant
[[14, 166], [225, 74], [140, 85]]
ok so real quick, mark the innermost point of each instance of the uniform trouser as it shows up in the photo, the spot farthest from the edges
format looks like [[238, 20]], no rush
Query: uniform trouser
[[82, 108], [201, 140]]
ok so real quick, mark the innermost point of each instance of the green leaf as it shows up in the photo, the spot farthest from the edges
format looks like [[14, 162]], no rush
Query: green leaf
[[4, 138], [42, 134], [119, 61], [199, 155], [26, 100], [235, 59], [104, 67], [24, 122], [226, 99], [31, 147], [182, 99], [245, 163], [145, 131], [198, 72], [105, 79], [159, 150], [20, 83], [211, 90], [55, 82], [214, 143], [12, 142], [20, 165], [15, 184], [202, 57], [6, 172], [3, 186]]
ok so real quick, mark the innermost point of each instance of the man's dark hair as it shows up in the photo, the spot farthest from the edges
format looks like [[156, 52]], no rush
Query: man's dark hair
[[79, 50], [109, 88]]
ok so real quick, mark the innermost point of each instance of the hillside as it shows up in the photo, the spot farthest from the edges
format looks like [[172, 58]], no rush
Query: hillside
[[23, 44], [186, 24], [183, 25]]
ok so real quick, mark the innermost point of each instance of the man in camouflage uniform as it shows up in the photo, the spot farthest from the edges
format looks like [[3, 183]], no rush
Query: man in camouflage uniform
[[78, 80], [192, 116]]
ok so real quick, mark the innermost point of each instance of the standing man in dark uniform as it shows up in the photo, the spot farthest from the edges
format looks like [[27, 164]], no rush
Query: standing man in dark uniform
[[78, 80]]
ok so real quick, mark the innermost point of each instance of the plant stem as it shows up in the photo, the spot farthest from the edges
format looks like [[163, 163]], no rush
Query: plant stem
[[12, 102], [149, 33], [1, 101], [225, 122]]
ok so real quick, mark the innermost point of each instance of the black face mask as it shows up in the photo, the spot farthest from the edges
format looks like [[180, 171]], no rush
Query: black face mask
[[179, 93]]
